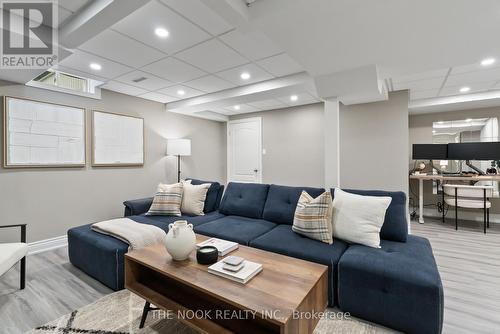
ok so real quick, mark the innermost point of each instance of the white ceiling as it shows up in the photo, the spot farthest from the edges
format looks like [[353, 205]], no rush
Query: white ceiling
[[202, 54], [351, 45]]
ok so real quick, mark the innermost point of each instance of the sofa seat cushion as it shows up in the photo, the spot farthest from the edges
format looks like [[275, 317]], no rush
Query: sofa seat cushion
[[395, 226], [282, 201], [163, 221], [399, 285], [244, 199], [100, 256], [284, 241], [10, 254], [235, 228]]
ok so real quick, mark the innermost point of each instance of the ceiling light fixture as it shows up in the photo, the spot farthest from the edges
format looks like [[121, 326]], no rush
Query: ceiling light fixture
[[294, 98], [95, 66], [488, 61], [464, 89], [161, 32], [440, 122], [181, 92], [245, 75], [468, 120], [236, 107]]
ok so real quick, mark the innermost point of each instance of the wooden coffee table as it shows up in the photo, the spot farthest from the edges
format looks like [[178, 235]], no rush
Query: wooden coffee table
[[270, 303]]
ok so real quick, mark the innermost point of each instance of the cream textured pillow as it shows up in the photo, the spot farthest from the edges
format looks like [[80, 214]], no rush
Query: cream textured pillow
[[313, 217], [359, 219], [167, 200], [193, 199]]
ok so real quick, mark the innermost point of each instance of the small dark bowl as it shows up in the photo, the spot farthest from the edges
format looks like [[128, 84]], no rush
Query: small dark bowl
[[207, 255]]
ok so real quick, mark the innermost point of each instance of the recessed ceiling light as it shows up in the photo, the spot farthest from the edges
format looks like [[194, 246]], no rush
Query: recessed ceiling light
[[245, 75], [161, 32], [464, 89], [468, 120], [236, 107], [181, 92], [488, 61], [95, 66], [294, 98]]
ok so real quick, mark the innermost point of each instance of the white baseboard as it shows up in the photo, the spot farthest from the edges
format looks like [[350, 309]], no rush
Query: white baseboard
[[47, 244]]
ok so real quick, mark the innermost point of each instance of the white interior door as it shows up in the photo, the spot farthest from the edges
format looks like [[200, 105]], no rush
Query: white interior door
[[244, 150]]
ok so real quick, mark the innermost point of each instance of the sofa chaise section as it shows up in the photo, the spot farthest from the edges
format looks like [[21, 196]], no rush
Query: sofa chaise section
[[397, 285]]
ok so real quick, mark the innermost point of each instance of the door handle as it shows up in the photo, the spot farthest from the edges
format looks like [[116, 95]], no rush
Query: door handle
[[255, 170]]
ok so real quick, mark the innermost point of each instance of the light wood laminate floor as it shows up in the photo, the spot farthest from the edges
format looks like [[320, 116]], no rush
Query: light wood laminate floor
[[468, 260]]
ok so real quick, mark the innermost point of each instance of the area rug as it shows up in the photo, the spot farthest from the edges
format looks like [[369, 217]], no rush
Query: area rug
[[120, 313]]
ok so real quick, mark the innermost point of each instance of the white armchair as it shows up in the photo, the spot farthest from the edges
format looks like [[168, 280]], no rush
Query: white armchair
[[469, 197], [12, 253]]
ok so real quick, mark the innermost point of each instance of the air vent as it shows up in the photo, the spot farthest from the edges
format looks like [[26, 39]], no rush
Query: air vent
[[139, 79]]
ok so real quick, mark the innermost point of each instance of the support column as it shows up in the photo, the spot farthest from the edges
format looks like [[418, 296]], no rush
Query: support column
[[332, 143]]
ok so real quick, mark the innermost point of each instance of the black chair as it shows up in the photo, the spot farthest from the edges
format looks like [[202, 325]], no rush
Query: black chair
[[12, 253]]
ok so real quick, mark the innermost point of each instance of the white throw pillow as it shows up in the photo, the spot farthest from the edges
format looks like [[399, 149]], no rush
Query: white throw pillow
[[193, 198], [359, 219]]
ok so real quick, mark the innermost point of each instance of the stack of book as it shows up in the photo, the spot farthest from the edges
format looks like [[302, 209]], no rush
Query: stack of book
[[223, 246], [236, 269]]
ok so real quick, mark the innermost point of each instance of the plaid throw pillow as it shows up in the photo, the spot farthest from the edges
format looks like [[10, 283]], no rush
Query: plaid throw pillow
[[313, 217], [167, 200]]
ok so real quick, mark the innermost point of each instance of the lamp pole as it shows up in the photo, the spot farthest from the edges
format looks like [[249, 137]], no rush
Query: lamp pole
[[178, 168]]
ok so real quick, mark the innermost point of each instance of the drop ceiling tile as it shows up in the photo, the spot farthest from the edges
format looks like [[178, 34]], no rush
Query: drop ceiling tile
[[243, 109], [280, 65], [209, 84], [113, 45], [474, 88], [81, 60], [173, 70], [173, 91], [256, 74], [73, 5], [158, 97], [197, 12], [252, 44], [441, 73], [62, 15], [470, 78], [141, 26], [268, 104], [473, 68], [423, 94], [150, 83], [424, 84], [123, 88], [302, 98], [212, 56]]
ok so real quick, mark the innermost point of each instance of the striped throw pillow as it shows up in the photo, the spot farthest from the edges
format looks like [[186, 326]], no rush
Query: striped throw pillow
[[313, 217], [167, 200]]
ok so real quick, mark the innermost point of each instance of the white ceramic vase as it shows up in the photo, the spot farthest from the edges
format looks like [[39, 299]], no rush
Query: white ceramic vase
[[181, 240]]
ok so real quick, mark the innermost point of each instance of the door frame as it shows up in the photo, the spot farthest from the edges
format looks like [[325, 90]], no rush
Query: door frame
[[228, 143]]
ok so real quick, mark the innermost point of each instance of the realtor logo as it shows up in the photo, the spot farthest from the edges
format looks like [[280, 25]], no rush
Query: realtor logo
[[29, 40]]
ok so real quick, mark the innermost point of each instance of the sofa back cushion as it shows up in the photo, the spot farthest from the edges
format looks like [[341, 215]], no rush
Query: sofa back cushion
[[244, 199], [395, 226], [212, 200], [282, 201]]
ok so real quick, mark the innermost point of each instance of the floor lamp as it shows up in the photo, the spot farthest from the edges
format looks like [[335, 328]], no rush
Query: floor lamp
[[179, 147]]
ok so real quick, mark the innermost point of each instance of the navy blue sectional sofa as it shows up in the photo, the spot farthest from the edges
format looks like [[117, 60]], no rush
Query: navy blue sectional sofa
[[397, 285]]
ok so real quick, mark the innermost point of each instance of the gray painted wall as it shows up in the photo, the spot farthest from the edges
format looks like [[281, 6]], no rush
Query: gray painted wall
[[420, 127], [374, 144], [293, 139], [53, 200]]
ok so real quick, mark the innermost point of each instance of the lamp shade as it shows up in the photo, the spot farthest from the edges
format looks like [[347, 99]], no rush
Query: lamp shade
[[179, 147]]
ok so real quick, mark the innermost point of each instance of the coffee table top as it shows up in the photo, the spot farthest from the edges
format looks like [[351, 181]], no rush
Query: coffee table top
[[282, 285]]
